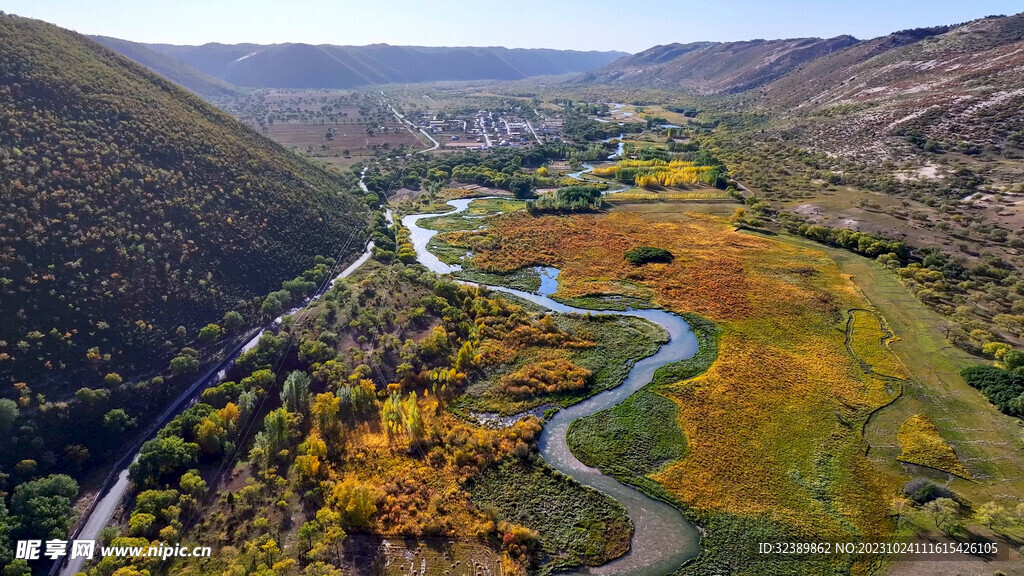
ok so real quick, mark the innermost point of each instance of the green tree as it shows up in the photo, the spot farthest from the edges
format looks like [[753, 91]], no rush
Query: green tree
[[308, 532], [295, 392], [992, 515], [329, 545], [156, 502], [210, 435], [315, 351], [233, 321], [162, 456], [321, 569], [193, 484], [943, 512], [1018, 514], [464, 359], [8, 413], [17, 568], [1017, 405], [210, 333], [412, 418], [184, 364], [391, 415], [272, 306], [8, 525], [1013, 359], [141, 524], [116, 422], [278, 429], [325, 411], [43, 506]]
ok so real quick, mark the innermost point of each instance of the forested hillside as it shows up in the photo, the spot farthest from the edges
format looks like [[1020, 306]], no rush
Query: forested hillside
[[135, 214]]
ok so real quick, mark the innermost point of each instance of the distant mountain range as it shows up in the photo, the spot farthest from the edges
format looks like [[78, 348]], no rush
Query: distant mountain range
[[952, 87], [715, 67], [330, 66]]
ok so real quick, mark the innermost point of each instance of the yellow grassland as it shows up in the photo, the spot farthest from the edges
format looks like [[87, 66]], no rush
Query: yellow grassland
[[774, 427], [922, 444]]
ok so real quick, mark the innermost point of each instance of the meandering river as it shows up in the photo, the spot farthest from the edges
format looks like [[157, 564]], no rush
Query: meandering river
[[662, 539]]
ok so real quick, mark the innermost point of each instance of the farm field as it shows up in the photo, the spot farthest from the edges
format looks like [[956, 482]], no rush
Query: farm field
[[349, 143], [341, 127]]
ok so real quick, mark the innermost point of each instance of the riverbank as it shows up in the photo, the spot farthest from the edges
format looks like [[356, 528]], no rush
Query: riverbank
[[772, 429], [662, 539]]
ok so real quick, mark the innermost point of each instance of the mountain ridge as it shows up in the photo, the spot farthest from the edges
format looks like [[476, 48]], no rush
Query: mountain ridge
[[949, 87], [142, 205], [314, 66], [170, 68], [715, 67]]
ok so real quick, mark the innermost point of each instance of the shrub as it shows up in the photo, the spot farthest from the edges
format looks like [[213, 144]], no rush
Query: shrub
[[646, 254], [184, 364], [233, 321], [546, 377], [921, 444], [210, 332], [1001, 387], [922, 491], [568, 199]]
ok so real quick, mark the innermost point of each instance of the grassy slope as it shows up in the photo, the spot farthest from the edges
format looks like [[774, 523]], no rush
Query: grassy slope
[[132, 208]]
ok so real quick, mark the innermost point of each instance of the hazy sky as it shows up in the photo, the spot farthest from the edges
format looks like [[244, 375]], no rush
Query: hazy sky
[[577, 24]]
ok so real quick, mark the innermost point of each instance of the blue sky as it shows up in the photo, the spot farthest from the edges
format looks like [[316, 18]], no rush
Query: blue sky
[[576, 24]]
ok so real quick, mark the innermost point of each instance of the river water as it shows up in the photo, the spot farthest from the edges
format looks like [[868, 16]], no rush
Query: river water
[[662, 539], [587, 166]]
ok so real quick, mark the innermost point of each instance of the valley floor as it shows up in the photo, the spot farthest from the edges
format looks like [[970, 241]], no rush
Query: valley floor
[[788, 435]]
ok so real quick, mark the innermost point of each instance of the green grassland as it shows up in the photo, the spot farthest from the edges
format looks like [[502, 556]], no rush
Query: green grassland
[[576, 524], [986, 441], [636, 437]]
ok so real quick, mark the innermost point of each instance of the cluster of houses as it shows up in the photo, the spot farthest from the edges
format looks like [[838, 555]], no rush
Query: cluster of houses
[[485, 129]]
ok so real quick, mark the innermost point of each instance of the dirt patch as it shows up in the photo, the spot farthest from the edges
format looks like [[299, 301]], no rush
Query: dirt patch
[[405, 194], [926, 172]]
